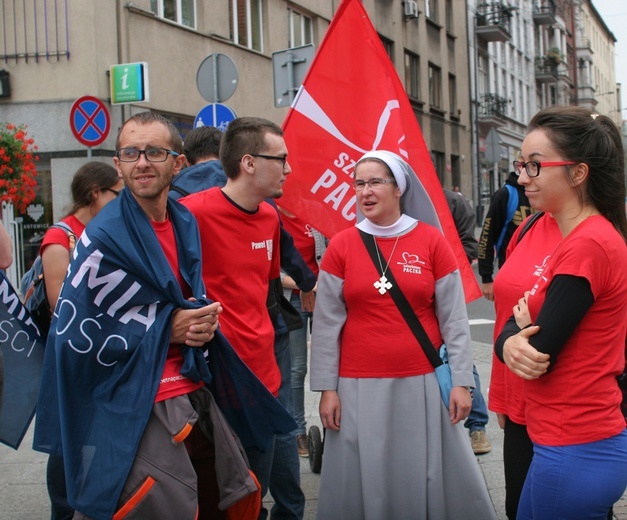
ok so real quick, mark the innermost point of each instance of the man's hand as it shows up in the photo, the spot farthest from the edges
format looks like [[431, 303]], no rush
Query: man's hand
[[195, 327], [488, 291], [307, 300], [522, 358]]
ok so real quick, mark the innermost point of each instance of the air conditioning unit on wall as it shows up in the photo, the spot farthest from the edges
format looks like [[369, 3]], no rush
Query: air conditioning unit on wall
[[410, 9]]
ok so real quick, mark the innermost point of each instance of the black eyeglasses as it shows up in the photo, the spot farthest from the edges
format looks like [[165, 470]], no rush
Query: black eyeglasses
[[282, 158], [372, 183], [151, 154], [533, 167], [115, 192]]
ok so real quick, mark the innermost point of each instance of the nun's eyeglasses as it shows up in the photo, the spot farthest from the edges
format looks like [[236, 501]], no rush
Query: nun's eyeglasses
[[372, 183]]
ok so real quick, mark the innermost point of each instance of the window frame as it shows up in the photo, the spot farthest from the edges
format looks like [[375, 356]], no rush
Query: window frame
[[253, 12], [158, 7], [305, 29], [435, 86], [412, 74]]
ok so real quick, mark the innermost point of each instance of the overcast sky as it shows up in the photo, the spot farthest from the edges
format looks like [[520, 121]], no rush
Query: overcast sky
[[614, 14]]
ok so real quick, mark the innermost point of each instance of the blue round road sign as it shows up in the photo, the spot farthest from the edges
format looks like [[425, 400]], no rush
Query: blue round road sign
[[89, 120], [215, 114]]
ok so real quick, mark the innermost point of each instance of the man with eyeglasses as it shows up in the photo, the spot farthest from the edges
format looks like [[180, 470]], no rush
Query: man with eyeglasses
[[240, 235], [509, 206], [133, 397]]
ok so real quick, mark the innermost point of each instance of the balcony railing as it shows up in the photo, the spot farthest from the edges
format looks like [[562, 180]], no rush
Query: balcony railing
[[493, 106], [493, 22], [546, 70], [544, 12]]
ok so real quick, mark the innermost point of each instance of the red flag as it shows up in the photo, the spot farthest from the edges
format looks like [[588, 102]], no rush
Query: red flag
[[351, 102]]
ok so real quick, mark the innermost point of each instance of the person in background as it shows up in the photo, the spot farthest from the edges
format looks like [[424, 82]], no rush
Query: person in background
[[311, 245], [524, 265], [240, 235], [464, 218], [566, 337], [392, 449], [202, 149], [94, 185], [508, 208]]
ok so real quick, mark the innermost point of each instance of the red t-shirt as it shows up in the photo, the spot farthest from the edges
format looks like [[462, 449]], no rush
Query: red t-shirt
[[240, 252], [376, 341], [172, 382], [303, 240], [578, 401], [525, 263], [59, 236]]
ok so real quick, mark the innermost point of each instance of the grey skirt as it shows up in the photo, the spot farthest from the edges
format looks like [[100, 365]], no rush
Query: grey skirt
[[397, 456]]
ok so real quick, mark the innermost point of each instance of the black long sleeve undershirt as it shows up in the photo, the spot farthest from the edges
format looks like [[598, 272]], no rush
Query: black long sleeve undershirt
[[567, 301]]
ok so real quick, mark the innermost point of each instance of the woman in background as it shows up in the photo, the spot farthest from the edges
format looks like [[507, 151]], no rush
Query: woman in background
[[93, 186]]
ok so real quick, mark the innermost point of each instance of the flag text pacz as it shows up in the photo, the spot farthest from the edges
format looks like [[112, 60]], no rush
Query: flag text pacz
[[336, 188]]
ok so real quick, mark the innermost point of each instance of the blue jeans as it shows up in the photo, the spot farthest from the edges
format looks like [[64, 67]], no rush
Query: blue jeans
[[298, 353], [580, 481], [289, 499], [478, 417]]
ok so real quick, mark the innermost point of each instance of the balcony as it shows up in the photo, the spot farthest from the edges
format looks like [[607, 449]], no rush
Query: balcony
[[492, 111], [546, 69], [544, 12], [493, 22]]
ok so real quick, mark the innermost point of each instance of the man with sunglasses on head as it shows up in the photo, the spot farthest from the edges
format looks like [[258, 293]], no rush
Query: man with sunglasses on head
[[508, 208]]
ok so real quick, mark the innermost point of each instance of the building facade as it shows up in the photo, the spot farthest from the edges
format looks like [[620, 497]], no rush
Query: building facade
[[469, 67], [526, 55], [54, 53]]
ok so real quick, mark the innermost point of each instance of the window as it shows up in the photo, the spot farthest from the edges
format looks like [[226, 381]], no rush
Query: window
[[182, 12], [435, 86], [246, 23], [388, 45], [452, 95], [431, 8], [449, 16], [439, 164], [301, 29], [412, 75]]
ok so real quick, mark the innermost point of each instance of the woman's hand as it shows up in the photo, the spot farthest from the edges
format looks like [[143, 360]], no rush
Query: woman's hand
[[330, 410], [521, 312], [522, 358], [460, 403], [501, 418]]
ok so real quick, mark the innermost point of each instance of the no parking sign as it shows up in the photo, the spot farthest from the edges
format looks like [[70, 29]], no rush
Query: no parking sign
[[89, 120]]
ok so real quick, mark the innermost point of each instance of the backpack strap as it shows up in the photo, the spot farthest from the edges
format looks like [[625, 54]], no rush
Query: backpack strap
[[70, 234], [512, 205], [181, 191]]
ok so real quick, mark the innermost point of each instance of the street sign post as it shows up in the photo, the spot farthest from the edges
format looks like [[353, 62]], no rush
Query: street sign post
[[215, 114], [216, 78], [493, 146], [289, 68], [89, 120]]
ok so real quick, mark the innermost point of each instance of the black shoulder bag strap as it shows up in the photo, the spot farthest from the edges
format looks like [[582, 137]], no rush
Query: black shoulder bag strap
[[528, 225], [403, 305]]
